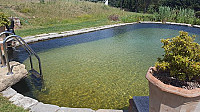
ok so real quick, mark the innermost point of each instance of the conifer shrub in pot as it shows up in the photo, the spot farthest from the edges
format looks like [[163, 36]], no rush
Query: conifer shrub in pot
[[174, 82]]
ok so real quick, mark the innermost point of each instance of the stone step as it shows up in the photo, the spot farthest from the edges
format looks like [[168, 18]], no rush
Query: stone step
[[139, 104], [19, 72]]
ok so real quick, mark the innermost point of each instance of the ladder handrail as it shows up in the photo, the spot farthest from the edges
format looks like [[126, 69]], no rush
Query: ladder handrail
[[5, 32], [25, 46], [28, 53], [1, 55]]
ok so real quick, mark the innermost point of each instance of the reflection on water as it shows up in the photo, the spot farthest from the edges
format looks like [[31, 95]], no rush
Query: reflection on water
[[101, 69]]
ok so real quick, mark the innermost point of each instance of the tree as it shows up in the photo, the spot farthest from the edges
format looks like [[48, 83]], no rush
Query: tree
[[192, 4]]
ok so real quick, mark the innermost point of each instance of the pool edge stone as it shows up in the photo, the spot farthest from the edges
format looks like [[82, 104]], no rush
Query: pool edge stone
[[41, 107], [16, 97], [26, 102], [109, 110], [46, 36], [66, 109], [9, 92]]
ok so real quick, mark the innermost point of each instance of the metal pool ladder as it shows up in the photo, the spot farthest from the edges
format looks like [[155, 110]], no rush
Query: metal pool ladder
[[27, 48], [1, 55]]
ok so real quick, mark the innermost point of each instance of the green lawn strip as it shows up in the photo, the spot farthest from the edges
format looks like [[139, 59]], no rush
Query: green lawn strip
[[63, 27], [6, 106]]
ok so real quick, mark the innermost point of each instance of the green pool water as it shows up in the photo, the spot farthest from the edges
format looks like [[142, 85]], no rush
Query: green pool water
[[105, 73]]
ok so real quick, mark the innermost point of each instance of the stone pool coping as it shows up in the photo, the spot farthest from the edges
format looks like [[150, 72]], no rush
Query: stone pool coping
[[36, 106], [47, 36]]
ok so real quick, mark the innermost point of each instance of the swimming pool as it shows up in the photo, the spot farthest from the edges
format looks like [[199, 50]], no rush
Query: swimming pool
[[101, 69]]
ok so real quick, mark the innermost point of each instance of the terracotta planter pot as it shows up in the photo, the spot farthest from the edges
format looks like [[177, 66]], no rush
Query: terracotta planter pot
[[167, 98]]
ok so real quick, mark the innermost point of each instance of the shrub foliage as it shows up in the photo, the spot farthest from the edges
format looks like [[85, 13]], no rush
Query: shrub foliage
[[182, 57], [3, 19]]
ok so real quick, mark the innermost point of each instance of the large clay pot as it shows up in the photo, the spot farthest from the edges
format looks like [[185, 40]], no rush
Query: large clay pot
[[167, 98]]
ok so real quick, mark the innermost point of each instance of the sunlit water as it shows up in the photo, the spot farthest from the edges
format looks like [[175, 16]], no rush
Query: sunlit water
[[100, 73]]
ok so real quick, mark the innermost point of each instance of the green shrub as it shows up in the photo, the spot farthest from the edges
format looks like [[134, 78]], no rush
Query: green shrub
[[130, 18], [164, 13], [137, 18], [197, 21], [151, 9], [185, 16], [149, 17], [3, 19], [182, 57], [197, 14], [176, 15]]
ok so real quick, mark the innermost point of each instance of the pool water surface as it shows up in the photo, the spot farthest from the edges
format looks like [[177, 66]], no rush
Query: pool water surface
[[102, 69]]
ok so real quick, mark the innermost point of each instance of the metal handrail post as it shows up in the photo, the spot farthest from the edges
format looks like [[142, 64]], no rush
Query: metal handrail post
[[1, 54], [2, 58], [7, 60]]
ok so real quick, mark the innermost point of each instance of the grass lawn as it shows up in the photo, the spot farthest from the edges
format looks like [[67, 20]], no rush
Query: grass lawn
[[6, 106], [63, 15], [62, 27]]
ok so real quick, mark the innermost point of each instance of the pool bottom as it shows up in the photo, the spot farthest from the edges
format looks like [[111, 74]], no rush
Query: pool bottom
[[100, 74]]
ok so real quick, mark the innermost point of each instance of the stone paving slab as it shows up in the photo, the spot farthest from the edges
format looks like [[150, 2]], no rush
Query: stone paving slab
[[9, 92], [197, 26], [41, 107], [109, 110], [142, 103], [26, 102], [16, 97], [65, 109], [40, 35], [52, 33], [29, 37]]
